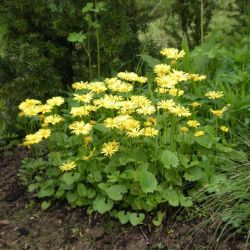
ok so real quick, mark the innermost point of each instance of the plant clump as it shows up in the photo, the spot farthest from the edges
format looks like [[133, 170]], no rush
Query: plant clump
[[128, 143]]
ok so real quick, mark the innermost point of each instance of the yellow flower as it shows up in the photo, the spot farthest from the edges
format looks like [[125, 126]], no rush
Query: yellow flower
[[146, 110], [52, 119], [224, 129], [219, 112], [80, 111], [140, 101], [111, 123], [110, 148], [32, 139], [162, 69], [55, 101], [150, 132], [172, 53], [83, 98], [179, 76], [180, 111], [127, 107], [28, 103], [44, 133], [214, 94], [67, 166], [195, 104], [184, 130], [150, 121], [135, 132], [46, 108], [80, 85], [132, 77], [80, 128], [30, 107], [175, 92], [166, 104], [196, 77], [193, 123], [97, 87], [199, 133], [166, 81]]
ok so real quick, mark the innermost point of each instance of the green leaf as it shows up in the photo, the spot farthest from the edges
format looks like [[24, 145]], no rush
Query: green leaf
[[139, 155], [123, 216], [46, 192], [81, 189], [223, 149], [45, 205], [33, 186], [101, 128], [68, 178], [185, 201], [136, 218], [89, 7], [169, 159], [157, 221], [102, 204], [115, 192], [151, 61], [172, 196], [148, 181], [75, 37], [91, 193], [194, 174], [53, 171], [204, 141], [59, 193], [71, 196]]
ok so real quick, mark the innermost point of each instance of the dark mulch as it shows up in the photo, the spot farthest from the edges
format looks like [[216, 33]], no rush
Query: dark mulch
[[24, 226]]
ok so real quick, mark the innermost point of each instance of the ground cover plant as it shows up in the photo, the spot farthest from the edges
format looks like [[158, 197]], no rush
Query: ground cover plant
[[128, 143]]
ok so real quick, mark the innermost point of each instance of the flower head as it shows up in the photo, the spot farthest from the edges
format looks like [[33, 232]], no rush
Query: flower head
[[214, 94], [55, 101], [172, 53], [110, 148], [219, 112], [224, 129], [52, 119], [67, 166], [80, 128], [150, 132], [184, 130], [193, 123], [162, 69], [199, 133]]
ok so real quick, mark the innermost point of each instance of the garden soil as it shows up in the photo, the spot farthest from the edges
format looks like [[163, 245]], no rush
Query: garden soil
[[24, 225]]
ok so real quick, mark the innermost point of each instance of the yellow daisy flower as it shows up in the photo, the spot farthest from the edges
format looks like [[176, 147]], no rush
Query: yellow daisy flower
[[80, 128], [199, 133], [172, 53], [184, 130], [193, 123], [150, 132], [67, 166], [224, 129], [214, 94], [55, 101], [110, 148]]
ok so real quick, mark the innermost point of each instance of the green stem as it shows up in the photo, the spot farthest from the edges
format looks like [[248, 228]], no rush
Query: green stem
[[98, 45], [202, 21]]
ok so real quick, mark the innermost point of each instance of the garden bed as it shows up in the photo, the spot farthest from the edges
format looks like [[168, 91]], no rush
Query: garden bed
[[23, 225]]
